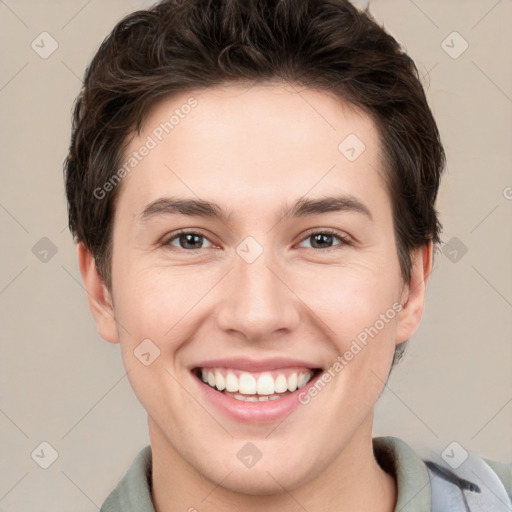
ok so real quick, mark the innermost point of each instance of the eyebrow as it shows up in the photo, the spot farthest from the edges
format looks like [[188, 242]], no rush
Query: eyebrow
[[301, 208]]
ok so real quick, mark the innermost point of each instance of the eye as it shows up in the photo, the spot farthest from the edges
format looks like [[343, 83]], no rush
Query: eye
[[191, 240], [323, 239]]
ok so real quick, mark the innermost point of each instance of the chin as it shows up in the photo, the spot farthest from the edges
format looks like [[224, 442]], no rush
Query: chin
[[265, 478], [263, 481]]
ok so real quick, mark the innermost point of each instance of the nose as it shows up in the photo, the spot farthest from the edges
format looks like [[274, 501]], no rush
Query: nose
[[257, 302]]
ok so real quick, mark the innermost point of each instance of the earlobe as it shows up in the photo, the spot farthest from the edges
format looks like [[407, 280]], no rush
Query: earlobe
[[413, 299], [98, 296]]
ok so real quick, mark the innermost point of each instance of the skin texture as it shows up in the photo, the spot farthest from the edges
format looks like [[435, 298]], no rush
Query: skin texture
[[252, 150]]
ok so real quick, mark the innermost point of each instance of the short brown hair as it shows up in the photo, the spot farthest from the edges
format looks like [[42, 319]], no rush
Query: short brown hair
[[181, 45]]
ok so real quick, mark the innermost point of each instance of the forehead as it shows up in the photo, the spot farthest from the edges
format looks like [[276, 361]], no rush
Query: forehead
[[259, 145]]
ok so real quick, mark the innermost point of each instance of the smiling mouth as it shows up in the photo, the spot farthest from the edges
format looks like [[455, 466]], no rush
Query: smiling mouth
[[256, 387]]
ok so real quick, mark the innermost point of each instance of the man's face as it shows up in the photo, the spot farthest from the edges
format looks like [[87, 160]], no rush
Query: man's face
[[258, 293]]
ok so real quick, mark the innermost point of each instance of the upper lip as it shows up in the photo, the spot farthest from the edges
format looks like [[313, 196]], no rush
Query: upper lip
[[253, 365]]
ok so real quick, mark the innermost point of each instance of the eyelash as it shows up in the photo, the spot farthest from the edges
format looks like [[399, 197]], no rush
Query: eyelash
[[344, 240]]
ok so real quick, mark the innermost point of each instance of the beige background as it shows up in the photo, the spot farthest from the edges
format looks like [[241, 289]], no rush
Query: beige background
[[60, 383]]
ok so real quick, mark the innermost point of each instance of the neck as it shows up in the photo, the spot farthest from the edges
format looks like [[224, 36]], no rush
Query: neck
[[353, 481]]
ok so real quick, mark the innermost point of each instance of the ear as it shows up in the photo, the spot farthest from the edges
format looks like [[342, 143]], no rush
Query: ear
[[100, 300], [413, 295]]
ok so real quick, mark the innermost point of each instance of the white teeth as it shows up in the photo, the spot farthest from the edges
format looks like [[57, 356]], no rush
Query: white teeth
[[280, 384], [263, 398], [243, 398], [246, 384], [292, 382], [231, 383], [220, 382], [301, 381], [265, 385]]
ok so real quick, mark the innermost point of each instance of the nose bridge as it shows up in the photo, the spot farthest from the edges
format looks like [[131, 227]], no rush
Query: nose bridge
[[256, 282], [259, 302]]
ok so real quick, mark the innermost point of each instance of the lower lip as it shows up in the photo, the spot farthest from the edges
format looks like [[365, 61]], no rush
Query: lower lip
[[254, 412]]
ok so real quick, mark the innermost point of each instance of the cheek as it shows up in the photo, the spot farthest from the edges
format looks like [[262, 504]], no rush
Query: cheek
[[154, 314], [349, 300], [164, 305], [152, 305]]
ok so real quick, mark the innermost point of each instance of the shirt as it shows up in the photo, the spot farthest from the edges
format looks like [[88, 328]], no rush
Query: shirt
[[133, 492]]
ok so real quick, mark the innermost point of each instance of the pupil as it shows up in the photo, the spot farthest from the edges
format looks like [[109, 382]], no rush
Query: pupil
[[189, 239], [321, 237]]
